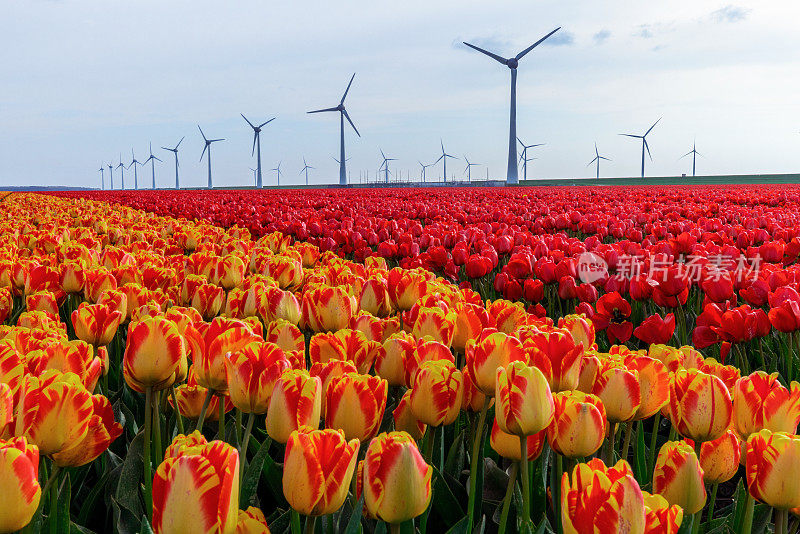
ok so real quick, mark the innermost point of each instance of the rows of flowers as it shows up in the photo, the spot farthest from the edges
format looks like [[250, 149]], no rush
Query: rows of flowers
[[167, 375]]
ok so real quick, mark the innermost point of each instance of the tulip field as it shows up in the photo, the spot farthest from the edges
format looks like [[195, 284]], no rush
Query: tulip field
[[453, 360]]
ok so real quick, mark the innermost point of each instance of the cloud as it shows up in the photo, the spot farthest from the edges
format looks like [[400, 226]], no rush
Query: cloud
[[644, 31], [561, 38], [730, 13], [492, 43], [601, 36]]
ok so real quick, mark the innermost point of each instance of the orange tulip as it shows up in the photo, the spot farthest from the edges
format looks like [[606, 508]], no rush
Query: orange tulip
[[772, 464], [492, 350], [557, 355], [209, 345], [524, 401], [327, 309], [580, 328], [252, 372], [437, 323], [508, 445], [405, 287], [42, 301], [317, 470], [391, 362], [68, 356], [191, 396], [618, 388], [96, 324], [427, 350], [102, 431], [279, 304], [296, 402], [660, 517], [653, 384], [720, 458], [55, 411], [355, 404], [374, 298], [396, 479], [596, 495], [19, 478], [6, 406], [371, 326], [196, 487], [471, 320], [761, 401], [700, 406], [579, 424], [153, 355], [678, 477], [405, 420], [436, 393], [251, 521]]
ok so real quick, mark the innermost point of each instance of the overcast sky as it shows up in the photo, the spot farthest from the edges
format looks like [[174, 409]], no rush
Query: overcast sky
[[84, 81]]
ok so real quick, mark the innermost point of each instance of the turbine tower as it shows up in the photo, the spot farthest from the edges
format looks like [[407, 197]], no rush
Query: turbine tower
[[512, 63], [468, 168], [111, 175], [102, 177], [134, 163], [122, 166], [694, 154], [152, 159], [257, 142], [524, 157], [342, 116], [175, 151], [596, 160], [278, 170], [208, 148], [644, 142], [385, 166], [443, 159], [306, 167]]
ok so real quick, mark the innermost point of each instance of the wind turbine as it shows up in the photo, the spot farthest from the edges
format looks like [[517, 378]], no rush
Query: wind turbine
[[208, 147], [134, 163], [424, 167], [122, 166], [443, 159], [152, 159], [596, 160], [342, 116], [512, 63], [524, 157], [305, 168], [644, 142], [257, 141], [102, 177], [111, 174], [278, 170], [385, 166], [468, 168], [175, 151], [255, 176], [694, 154]]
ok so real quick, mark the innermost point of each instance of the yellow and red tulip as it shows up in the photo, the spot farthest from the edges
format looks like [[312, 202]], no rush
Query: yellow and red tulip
[[374, 297], [720, 458], [19, 478], [191, 396], [471, 320], [653, 380], [492, 350], [437, 323], [580, 328], [251, 521], [772, 464], [355, 404], [678, 476], [508, 445], [557, 355], [436, 393], [700, 406], [524, 401], [296, 402], [579, 424], [618, 388], [327, 309], [761, 401], [101, 432], [405, 420], [660, 516], [154, 354], [252, 373], [210, 343], [96, 324]]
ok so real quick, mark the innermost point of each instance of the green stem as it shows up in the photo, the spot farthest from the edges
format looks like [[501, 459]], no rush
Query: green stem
[[747, 522], [237, 430], [221, 430], [612, 434], [295, 515], [651, 460], [555, 490], [157, 446], [781, 521], [512, 481], [473, 469], [243, 446], [202, 417], [696, 519], [51, 479], [178, 416], [311, 523], [526, 490], [712, 502], [626, 443], [148, 425], [53, 519]]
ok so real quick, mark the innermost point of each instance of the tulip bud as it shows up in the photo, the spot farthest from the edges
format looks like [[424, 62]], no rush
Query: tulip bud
[[660, 517], [700, 406], [492, 350], [296, 402], [678, 477], [436, 393], [579, 424], [317, 470], [524, 401], [252, 373], [508, 445], [405, 420], [720, 458], [96, 324], [355, 404], [19, 473], [772, 464], [251, 521], [153, 354], [101, 432]]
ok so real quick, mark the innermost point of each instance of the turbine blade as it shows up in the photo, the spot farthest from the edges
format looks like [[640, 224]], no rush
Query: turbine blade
[[631, 135], [347, 90], [605, 158], [653, 126], [323, 110], [490, 54], [267, 122], [648, 148], [685, 155], [203, 152], [346, 116], [520, 142], [179, 142], [215, 140], [438, 160], [595, 159], [255, 138], [248, 121], [699, 154], [201, 133], [155, 158], [534, 45]]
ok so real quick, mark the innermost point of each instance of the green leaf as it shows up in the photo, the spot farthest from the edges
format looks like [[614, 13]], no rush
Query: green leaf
[[281, 521], [354, 525], [456, 456], [65, 492], [89, 506], [252, 475], [640, 455], [145, 528], [462, 527], [444, 502], [77, 529], [127, 494]]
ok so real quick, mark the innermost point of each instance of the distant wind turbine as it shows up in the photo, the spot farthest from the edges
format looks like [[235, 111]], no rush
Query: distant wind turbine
[[134, 163], [111, 175], [644, 142], [694, 154], [342, 116], [122, 166], [102, 177], [443, 159], [385, 166], [512, 63], [468, 168], [255, 176], [306, 167], [152, 159], [524, 157], [175, 151], [596, 160], [257, 142], [424, 167], [278, 170], [208, 148]]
